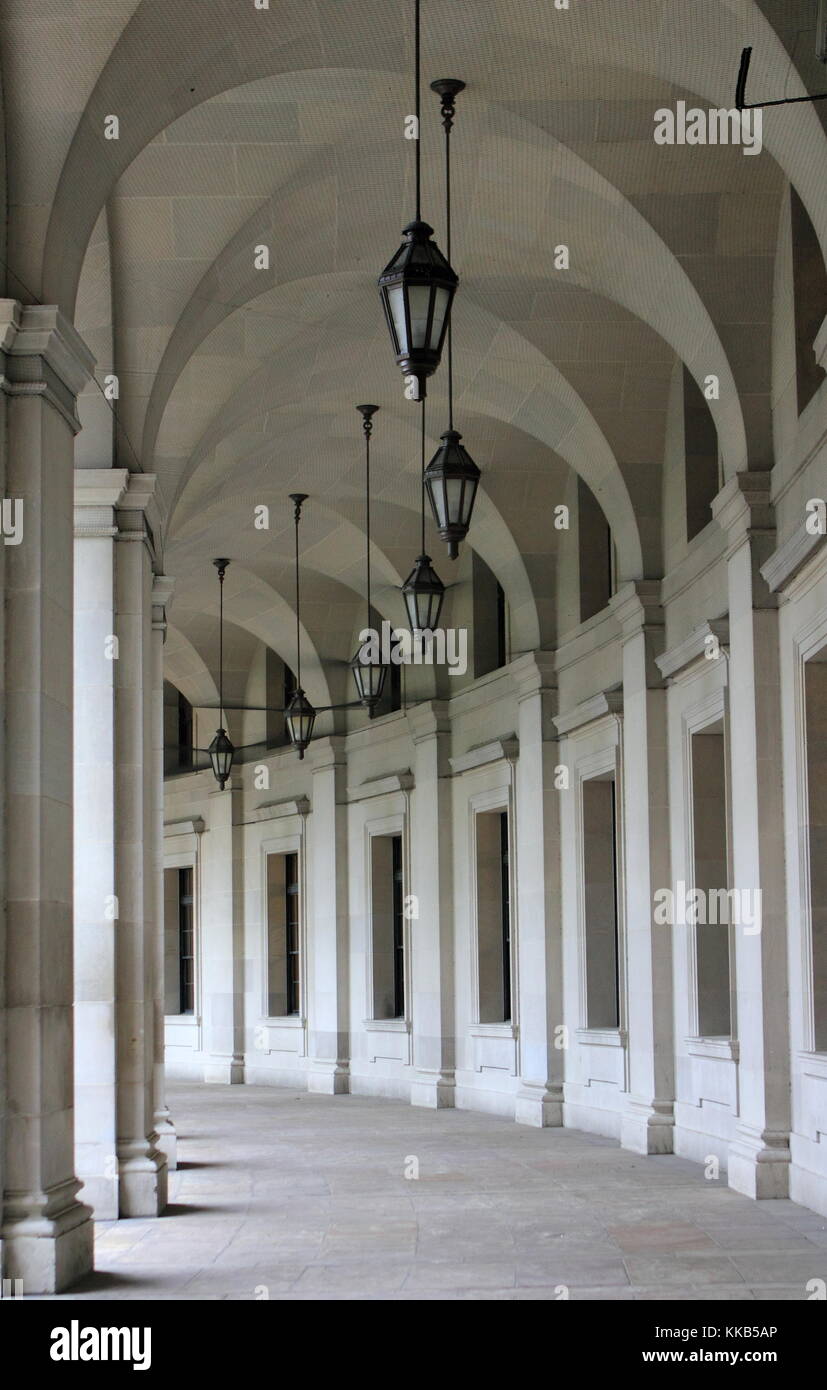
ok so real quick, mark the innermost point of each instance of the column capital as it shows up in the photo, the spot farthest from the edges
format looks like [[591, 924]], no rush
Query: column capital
[[428, 720], [743, 508], [43, 355], [327, 752], [535, 673], [162, 590], [139, 515], [637, 605]]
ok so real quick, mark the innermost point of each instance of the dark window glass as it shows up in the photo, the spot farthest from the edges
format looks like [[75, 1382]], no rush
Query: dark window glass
[[398, 931], [505, 901], [291, 920], [186, 941]]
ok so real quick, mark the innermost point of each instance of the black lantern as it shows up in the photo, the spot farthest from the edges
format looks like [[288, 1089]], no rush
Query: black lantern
[[452, 477], [300, 715], [451, 480], [423, 592], [368, 674], [417, 286], [417, 289], [221, 751]]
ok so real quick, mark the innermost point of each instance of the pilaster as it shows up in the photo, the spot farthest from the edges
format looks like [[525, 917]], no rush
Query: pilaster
[[759, 1155], [327, 935], [222, 932], [141, 1166], [539, 1100], [432, 957], [648, 1120], [97, 494], [162, 588]]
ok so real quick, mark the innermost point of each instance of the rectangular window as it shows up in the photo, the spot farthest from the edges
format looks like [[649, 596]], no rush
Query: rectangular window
[[711, 881], [388, 926], [179, 941], [493, 917], [815, 699], [283, 936], [600, 903]]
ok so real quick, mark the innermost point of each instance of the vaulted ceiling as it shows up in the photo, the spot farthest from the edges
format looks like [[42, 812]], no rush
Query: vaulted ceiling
[[240, 127]]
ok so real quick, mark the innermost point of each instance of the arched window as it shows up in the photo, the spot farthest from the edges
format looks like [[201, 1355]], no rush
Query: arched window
[[702, 470], [810, 300], [596, 554]]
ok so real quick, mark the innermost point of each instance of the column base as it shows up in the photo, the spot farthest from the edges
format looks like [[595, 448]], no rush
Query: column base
[[539, 1105], [224, 1071], [758, 1164], [329, 1079], [101, 1194], [434, 1090], [167, 1141], [648, 1128], [142, 1189], [47, 1250]]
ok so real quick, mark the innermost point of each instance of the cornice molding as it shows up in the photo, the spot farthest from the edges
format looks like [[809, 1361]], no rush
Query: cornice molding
[[607, 703], [694, 647], [789, 559], [495, 751], [382, 786], [278, 810], [194, 826]]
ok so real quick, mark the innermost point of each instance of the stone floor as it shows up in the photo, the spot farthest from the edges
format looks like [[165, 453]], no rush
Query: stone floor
[[292, 1196]]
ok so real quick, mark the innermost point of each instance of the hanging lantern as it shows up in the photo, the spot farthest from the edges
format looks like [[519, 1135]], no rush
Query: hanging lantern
[[300, 717], [417, 289], [451, 481], [221, 753], [369, 677], [423, 592]]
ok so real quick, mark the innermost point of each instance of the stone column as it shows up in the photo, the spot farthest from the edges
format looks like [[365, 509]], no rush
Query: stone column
[[97, 493], [539, 1100], [648, 1120], [162, 1120], [142, 1170], [432, 946], [46, 1232], [759, 1156], [326, 973], [222, 935]]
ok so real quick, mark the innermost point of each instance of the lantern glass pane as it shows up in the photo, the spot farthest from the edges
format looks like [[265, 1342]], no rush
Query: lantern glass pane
[[441, 298], [419, 298], [454, 488], [436, 488], [396, 304]]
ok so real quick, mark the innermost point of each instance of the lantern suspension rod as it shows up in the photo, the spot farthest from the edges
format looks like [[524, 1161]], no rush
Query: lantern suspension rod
[[221, 566], [422, 466], [367, 412], [418, 107], [297, 498], [448, 88]]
